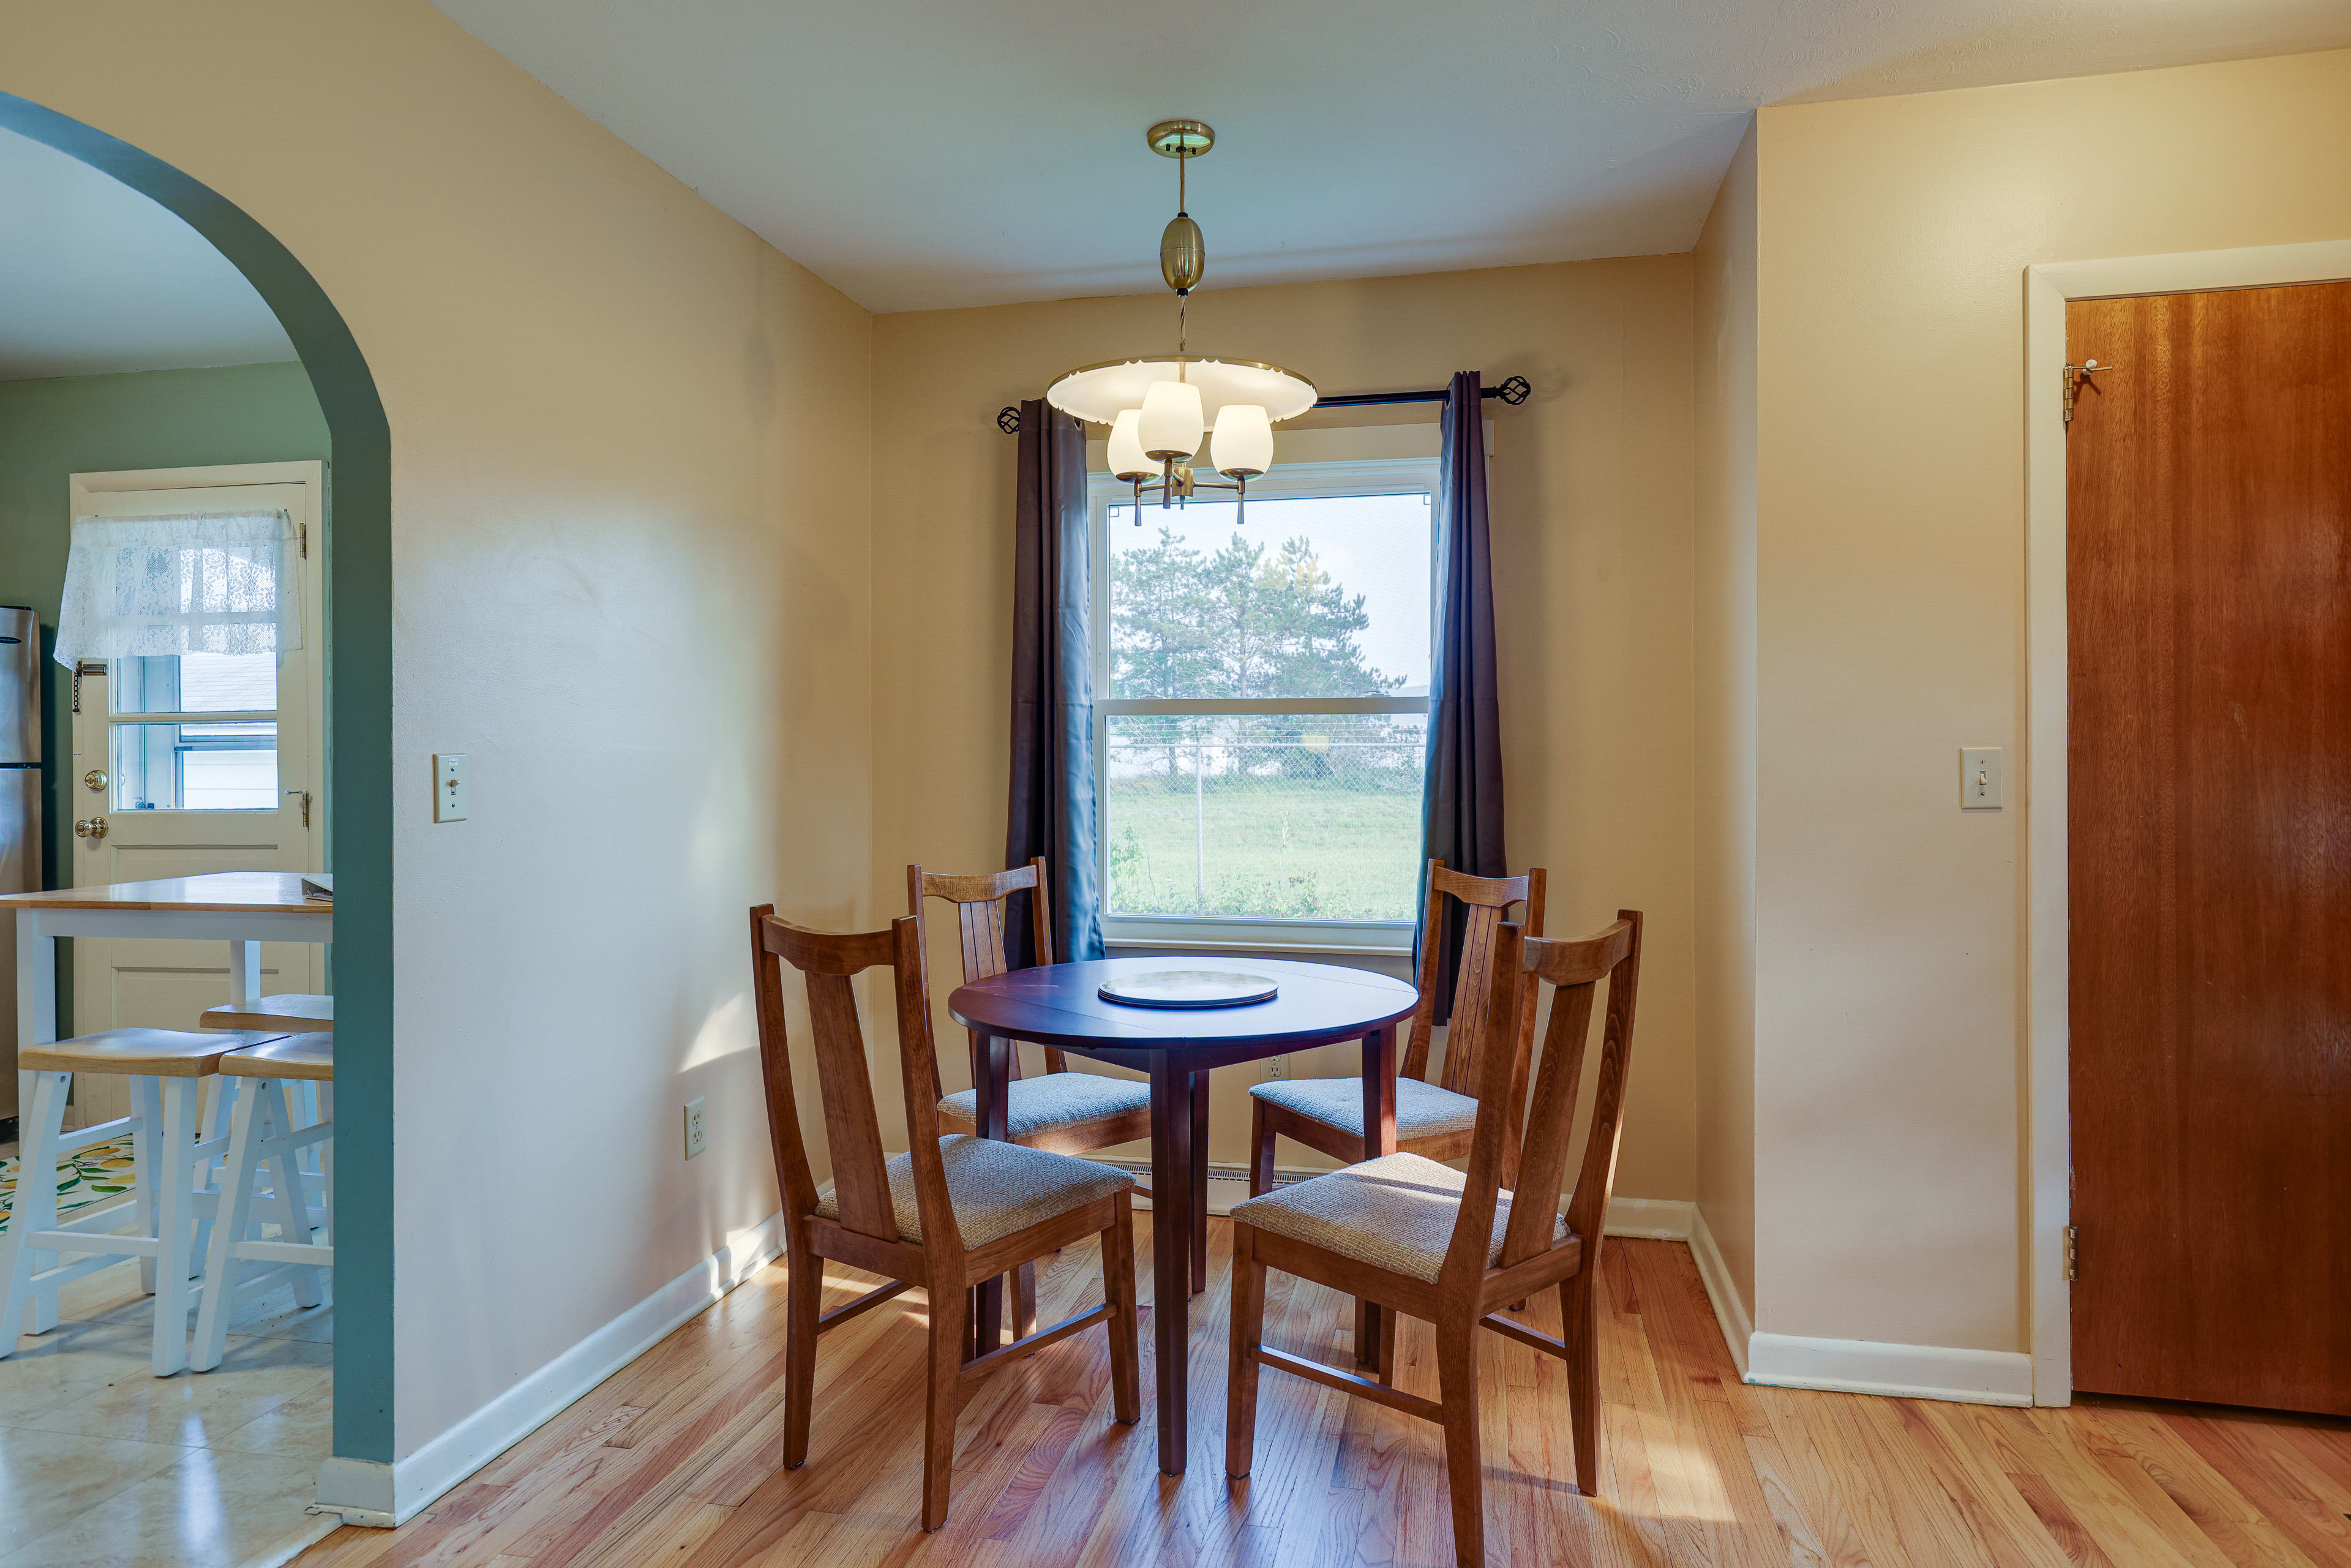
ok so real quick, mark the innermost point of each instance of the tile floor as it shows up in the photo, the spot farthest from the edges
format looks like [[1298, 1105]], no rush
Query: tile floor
[[104, 1465]]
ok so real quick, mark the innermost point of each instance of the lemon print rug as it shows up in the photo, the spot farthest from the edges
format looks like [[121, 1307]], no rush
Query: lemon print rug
[[98, 1174]]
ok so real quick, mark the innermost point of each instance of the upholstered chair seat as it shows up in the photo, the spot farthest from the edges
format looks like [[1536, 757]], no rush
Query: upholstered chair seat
[[1423, 1109], [1394, 1213], [1060, 1100], [994, 1187]]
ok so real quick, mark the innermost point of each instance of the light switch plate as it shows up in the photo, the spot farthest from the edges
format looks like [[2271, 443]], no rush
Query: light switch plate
[[448, 786], [1981, 787], [694, 1135]]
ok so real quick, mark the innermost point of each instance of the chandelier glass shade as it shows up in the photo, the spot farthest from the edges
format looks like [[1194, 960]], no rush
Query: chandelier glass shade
[[1161, 408]]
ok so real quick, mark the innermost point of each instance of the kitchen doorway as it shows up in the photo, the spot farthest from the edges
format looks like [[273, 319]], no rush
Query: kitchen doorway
[[192, 763]]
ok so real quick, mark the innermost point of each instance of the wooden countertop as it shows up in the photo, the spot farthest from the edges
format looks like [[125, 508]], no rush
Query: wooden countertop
[[220, 891]]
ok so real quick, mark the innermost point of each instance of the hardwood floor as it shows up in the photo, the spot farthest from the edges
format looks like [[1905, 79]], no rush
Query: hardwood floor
[[674, 1459]]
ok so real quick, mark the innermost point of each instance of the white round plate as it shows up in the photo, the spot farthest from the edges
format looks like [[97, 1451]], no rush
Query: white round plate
[[1189, 988]]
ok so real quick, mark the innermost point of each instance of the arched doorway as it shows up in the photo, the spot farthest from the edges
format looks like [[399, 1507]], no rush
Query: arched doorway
[[358, 723]]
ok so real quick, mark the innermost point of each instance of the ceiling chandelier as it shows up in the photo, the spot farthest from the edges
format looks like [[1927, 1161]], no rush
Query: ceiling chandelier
[[1159, 406]]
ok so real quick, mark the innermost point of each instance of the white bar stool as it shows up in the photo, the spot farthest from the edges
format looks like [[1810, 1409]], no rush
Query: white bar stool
[[261, 1133], [285, 1012], [167, 1069]]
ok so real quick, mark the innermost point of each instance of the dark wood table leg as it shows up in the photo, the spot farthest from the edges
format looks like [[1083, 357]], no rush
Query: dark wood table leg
[[1171, 1263], [993, 1081], [1199, 1189], [1379, 1138]]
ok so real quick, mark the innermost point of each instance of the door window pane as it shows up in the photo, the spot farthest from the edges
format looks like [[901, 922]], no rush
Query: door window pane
[[197, 683], [1280, 816], [195, 767]]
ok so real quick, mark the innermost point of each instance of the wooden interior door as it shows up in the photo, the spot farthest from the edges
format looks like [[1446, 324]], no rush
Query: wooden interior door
[[2209, 650]]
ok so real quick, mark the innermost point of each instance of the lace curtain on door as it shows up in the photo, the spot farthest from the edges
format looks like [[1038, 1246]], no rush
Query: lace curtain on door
[[205, 583]]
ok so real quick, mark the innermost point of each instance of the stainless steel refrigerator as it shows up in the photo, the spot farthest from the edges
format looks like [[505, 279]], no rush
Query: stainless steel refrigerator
[[20, 807]]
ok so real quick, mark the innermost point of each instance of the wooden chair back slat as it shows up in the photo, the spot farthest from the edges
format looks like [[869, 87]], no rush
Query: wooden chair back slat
[[1588, 1211], [793, 1179], [1518, 967], [980, 899], [828, 963], [1484, 900]]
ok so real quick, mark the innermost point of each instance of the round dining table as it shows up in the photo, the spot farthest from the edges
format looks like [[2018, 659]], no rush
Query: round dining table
[[1060, 1005]]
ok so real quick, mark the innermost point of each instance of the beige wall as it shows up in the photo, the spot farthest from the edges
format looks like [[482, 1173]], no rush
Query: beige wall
[[1889, 628], [630, 474], [1724, 271], [1591, 487]]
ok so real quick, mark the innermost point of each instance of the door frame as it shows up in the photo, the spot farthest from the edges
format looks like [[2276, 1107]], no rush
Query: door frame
[[311, 474], [2049, 1152]]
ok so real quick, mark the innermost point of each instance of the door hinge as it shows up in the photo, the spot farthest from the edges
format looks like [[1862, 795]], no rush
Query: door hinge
[[2072, 1252], [303, 535], [305, 804], [85, 667]]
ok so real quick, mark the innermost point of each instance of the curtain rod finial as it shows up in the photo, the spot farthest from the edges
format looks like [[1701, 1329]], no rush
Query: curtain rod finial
[[1008, 419]]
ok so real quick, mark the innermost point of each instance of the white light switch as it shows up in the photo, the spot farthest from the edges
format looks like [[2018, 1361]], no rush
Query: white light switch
[[448, 786], [1979, 778]]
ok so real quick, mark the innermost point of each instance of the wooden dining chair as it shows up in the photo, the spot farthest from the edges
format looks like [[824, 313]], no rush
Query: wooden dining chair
[[1060, 1111], [1434, 1118], [952, 1210], [1420, 1238]]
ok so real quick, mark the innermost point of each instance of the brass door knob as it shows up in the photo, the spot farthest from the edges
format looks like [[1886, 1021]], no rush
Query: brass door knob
[[91, 828], [94, 780]]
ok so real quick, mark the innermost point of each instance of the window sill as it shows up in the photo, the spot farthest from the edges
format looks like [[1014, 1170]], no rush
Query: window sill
[[1196, 944]]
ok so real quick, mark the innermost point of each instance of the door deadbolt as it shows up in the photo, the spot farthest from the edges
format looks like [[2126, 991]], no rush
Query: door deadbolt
[[91, 828], [95, 779]]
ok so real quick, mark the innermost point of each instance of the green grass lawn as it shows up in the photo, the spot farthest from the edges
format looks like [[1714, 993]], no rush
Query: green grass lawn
[[1263, 847]]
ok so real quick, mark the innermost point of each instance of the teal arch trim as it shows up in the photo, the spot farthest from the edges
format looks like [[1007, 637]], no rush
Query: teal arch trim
[[360, 588]]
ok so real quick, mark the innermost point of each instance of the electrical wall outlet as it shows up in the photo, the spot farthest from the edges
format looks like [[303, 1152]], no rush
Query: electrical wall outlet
[[693, 1133], [1277, 1066], [448, 786]]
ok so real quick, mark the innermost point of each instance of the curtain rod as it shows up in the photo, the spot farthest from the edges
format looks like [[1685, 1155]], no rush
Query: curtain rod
[[1513, 391]]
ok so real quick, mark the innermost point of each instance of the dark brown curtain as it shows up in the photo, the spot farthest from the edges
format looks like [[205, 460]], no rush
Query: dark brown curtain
[[1461, 821], [1049, 808]]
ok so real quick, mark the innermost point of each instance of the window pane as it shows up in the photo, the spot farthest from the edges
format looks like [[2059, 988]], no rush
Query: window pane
[[1310, 597], [1297, 816], [195, 767], [197, 683]]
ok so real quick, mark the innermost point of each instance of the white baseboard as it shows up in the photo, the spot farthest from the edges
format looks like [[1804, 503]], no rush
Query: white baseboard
[[372, 1493], [1899, 1371], [1654, 1218], [1729, 1310]]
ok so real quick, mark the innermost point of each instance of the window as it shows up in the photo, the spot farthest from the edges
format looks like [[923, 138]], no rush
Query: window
[[1264, 707], [194, 732]]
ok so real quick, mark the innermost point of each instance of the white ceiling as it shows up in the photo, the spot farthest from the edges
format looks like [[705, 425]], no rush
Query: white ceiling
[[919, 153], [95, 278]]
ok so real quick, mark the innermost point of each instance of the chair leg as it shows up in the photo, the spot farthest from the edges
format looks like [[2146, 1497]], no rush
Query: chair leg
[[1024, 1300], [238, 1170], [941, 1399], [1457, 1389], [1386, 1371], [1118, 1290], [1579, 1327], [1240, 1373], [175, 1220], [803, 1303], [1260, 1150], [36, 1206]]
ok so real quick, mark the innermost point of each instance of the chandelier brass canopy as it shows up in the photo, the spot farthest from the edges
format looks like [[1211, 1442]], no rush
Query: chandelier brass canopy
[[1159, 406]]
